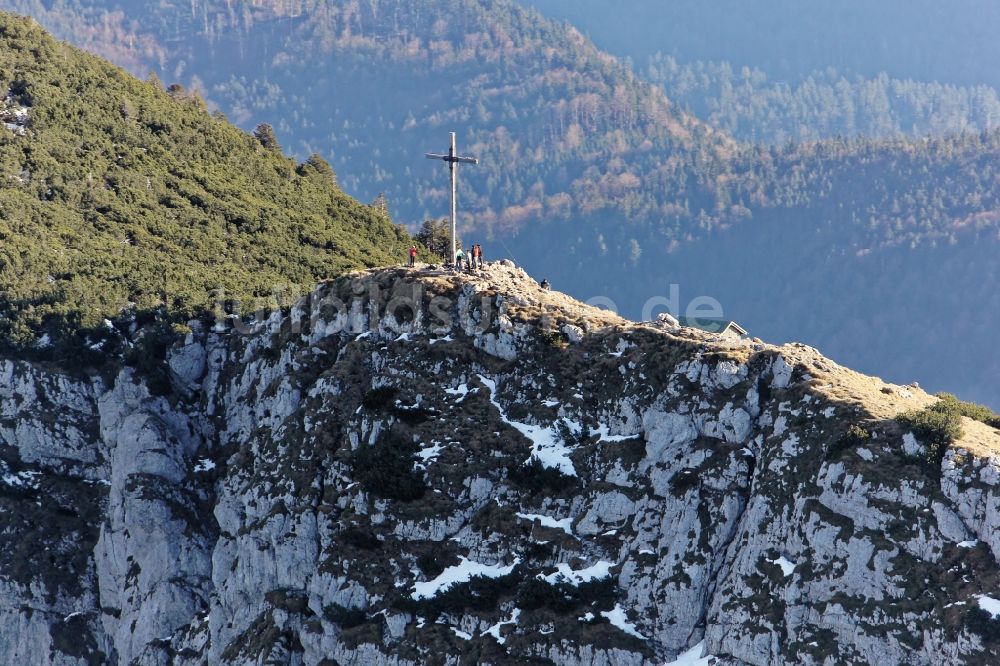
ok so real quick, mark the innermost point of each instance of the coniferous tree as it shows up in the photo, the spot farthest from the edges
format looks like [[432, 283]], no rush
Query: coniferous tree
[[435, 235], [381, 204], [265, 134], [315, 164]]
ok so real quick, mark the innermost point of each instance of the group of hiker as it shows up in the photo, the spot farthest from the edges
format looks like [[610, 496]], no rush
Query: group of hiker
[[471, 260]]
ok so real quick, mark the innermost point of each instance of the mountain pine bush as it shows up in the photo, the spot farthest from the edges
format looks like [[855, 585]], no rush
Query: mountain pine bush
[[118, 198], [936, 427]]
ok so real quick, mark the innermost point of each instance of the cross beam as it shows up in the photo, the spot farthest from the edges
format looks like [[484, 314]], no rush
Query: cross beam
[[453, 160]]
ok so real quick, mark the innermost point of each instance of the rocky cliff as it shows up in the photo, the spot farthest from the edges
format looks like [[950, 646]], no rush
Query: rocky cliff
[[413, 467]]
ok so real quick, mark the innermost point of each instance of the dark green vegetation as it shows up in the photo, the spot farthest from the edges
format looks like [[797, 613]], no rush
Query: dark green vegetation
[[535, 478], [345, 617], [854, 437], [435, 235], [940, 425], [379, 398], [936, 427], [983, 624], [118, 198], [564, 597], [386, 469], [969, 409], [479, 593], [529, 592]]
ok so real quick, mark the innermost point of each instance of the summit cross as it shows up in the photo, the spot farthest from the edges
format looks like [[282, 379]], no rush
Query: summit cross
[[453, 160]]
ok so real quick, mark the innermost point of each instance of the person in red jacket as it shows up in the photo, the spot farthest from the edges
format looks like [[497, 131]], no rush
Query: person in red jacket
[[413, 255]]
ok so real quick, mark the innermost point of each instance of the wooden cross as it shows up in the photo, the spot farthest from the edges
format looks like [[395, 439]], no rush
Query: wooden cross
[[453, 161]]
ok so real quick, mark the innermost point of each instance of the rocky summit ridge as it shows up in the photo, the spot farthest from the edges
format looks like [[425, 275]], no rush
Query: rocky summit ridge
[[418, 467]]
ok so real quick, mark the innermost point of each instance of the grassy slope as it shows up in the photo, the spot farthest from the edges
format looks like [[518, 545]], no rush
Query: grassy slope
[[118, 195]]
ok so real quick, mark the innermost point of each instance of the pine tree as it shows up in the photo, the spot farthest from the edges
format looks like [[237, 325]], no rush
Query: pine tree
[[435, 235], [381, 204], [265, 134], [320, 167]]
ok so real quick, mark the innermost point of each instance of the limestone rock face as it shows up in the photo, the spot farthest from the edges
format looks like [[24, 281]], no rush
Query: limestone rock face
[[417, 467]]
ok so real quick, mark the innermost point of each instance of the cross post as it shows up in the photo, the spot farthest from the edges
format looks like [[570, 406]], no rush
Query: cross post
[[453, 160]]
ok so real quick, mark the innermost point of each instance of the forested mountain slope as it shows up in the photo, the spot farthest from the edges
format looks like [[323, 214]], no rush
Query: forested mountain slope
[[749, 105], [924, 40], [121, 200], [590, 175]]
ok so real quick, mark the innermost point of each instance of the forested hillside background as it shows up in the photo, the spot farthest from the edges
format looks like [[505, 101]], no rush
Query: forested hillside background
[[790, 71], [828, 207], [749, 105], [924, 40]]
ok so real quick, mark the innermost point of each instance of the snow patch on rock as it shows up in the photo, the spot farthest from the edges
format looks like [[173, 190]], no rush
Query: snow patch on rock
[[460, 573]]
